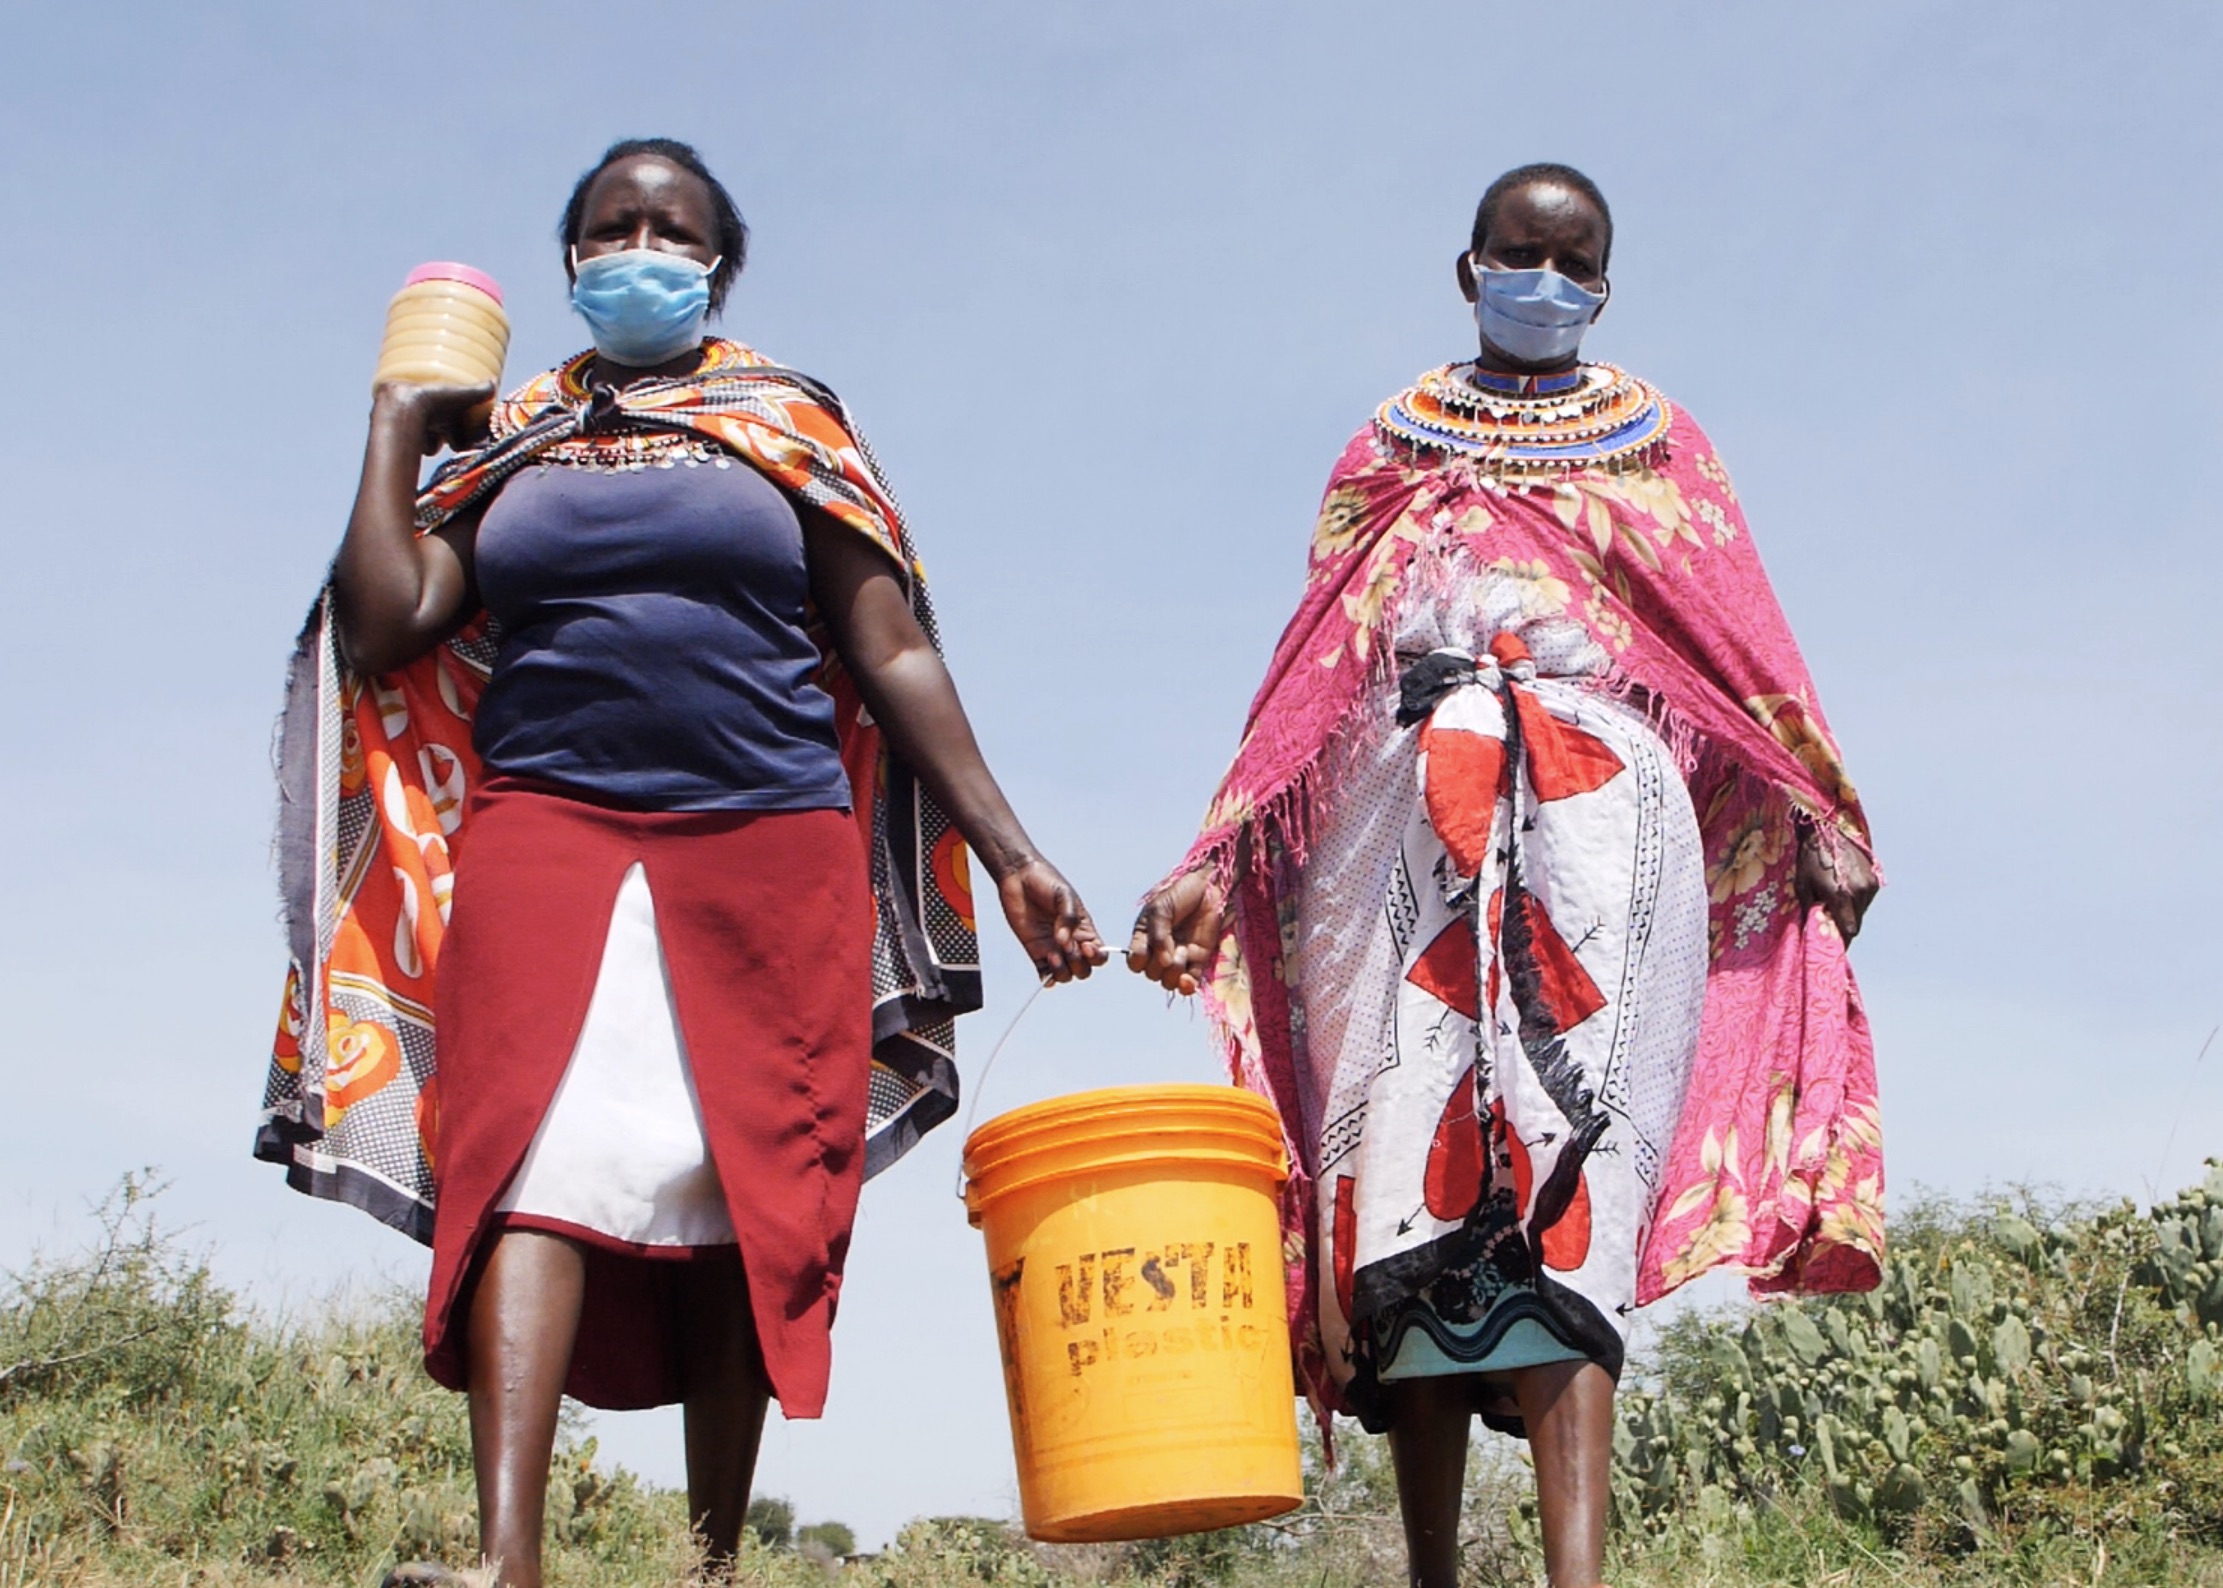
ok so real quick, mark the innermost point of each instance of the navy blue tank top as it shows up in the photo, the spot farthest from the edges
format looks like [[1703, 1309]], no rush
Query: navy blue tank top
[[653, 645]]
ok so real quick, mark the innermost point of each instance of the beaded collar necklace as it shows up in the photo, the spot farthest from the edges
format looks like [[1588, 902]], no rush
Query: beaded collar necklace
[[1531, 427], [631, 447], [1492, 380]]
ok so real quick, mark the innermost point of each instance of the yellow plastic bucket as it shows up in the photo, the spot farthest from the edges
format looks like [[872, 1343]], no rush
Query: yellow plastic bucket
[[1134, 1256]]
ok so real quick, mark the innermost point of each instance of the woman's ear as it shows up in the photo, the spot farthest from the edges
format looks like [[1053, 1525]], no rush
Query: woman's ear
[[1467, 288], [1605, 285]]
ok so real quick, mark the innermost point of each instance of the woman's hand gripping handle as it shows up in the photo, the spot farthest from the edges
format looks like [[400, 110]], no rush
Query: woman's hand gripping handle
[[1050, 922], [1178, 932]]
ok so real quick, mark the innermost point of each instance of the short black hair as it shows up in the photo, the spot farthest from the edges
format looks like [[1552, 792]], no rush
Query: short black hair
[[733, 231], [1525, 175]]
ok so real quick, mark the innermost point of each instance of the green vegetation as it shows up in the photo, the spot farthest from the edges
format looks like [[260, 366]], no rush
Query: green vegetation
[[148, 1423], [2003, 1374], [834, 1539], [772, 1520], [2034, 1396]]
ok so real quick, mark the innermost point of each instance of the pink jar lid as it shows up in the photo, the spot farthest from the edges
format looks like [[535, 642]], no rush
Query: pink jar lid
[[449, 270]]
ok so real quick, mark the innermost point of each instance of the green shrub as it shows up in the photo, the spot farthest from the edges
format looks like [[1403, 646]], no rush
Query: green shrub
[[772, 1520], [148, 1419], [835, 1538], [2022, 1376], [954, 1550]]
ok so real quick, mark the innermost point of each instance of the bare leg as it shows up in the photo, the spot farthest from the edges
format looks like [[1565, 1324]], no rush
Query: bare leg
[[524, 1318], [1568, 1407], [1428, 1424], [726, 1397]]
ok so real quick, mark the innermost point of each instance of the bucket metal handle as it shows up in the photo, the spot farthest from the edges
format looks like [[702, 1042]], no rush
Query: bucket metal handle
[[980, 1086]]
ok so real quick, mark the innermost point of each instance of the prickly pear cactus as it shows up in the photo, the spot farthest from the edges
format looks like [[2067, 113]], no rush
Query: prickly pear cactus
[[2186, 1266], [2008, 1363]]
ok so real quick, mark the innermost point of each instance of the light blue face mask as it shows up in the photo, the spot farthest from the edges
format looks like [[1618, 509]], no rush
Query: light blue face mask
[[1537, 316], [644, 306]]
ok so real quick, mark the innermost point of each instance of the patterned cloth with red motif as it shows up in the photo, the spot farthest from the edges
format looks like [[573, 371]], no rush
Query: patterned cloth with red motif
[[1496, 974]]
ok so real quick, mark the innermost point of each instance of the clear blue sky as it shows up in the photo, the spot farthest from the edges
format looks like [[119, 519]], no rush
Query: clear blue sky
[[1109, 287]]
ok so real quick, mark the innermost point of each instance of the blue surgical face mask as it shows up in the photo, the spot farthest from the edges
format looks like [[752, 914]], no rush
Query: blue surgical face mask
[[645, 307], [1538, 316]]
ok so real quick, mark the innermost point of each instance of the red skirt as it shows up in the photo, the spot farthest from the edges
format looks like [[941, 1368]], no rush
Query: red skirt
[[766, 924]]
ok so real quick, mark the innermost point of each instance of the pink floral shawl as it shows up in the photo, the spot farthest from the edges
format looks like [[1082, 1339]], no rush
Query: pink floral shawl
[[1776, 1169]]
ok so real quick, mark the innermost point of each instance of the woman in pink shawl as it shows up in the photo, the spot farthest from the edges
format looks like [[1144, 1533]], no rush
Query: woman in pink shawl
[[1526, 901]]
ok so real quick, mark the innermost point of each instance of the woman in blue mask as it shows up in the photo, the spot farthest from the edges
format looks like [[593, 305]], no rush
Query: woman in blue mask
[[1535, 273], [1526, 901], [627, 808]]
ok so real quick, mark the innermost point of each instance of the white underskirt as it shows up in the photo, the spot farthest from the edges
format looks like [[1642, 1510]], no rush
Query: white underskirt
[[621, 1150]]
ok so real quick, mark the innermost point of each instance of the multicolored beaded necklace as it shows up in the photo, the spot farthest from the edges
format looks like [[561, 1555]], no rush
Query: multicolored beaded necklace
[[626, 450], [1532, 427]]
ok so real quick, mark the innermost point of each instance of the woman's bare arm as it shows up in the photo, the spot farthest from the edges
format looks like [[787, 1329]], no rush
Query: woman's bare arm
[[396, 594], [912, 697]]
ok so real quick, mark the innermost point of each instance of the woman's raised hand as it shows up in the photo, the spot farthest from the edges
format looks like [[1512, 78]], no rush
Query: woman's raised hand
[[435, 416], [1050, 921], [1178, 932]]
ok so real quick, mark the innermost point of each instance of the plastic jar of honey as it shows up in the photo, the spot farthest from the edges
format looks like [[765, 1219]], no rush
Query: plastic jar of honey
[[444, 328]]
